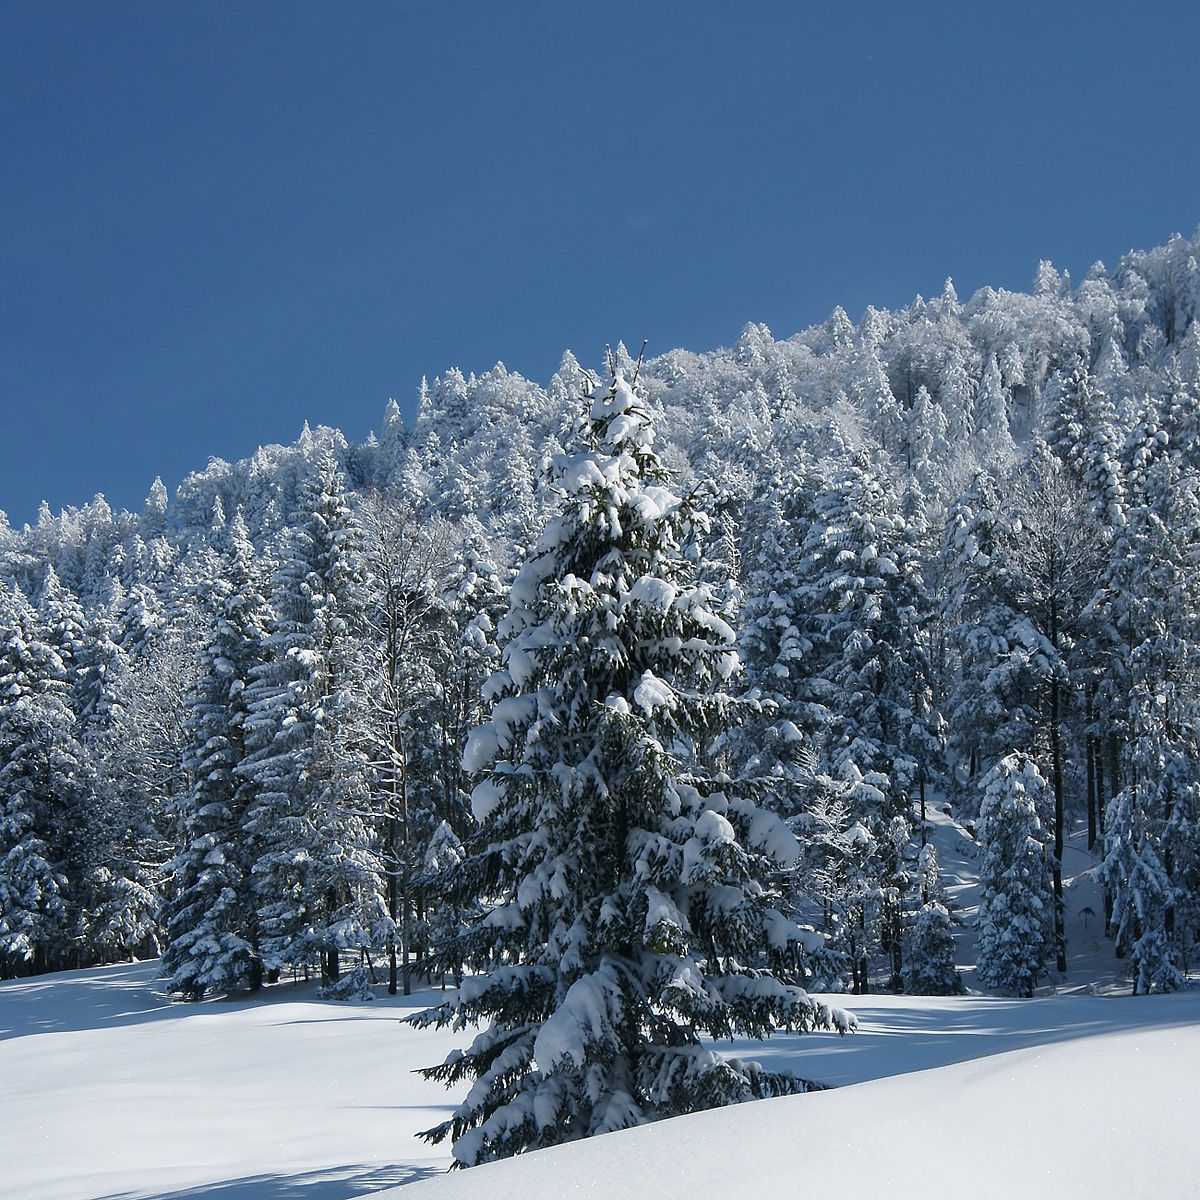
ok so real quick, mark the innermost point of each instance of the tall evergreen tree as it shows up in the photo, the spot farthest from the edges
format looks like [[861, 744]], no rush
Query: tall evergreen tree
[[42, 792], [628, 917], [317, 880], [929, 957], [406, 558], [210, 917], [1016, 910], [1152, 847]]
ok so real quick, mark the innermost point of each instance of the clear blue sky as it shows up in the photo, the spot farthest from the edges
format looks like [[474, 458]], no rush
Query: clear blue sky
[[218, 219]]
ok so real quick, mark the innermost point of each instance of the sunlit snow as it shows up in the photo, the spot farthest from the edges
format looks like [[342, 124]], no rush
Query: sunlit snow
[[108, 1090]]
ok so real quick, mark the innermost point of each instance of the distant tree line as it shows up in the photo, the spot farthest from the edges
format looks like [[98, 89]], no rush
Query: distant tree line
[[955, 551]]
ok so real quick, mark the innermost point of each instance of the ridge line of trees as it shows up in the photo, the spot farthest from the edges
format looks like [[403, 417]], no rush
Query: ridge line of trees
[[956, 544]]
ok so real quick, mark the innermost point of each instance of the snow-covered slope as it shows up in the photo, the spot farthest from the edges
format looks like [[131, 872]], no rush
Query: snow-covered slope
[[1109, 1115], [107, 1090]]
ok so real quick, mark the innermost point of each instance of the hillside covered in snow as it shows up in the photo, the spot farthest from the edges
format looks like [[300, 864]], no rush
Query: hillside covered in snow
[[681, 700], [108, 1090]]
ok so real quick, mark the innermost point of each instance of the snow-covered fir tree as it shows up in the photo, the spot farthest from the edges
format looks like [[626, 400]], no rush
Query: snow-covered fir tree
[[41, 797], [1016, 907], [317, 880], [1152, 848], [929, 968], [406, 558], [211, 915], [627, 919]]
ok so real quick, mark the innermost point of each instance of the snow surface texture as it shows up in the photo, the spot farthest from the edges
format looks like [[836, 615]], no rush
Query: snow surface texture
[[107, 1090], [1111, 1115]]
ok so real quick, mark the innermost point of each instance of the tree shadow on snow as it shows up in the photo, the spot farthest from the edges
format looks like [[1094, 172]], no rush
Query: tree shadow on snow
[[134, 993], [98, 998], [336, 1183], [915, 1035]]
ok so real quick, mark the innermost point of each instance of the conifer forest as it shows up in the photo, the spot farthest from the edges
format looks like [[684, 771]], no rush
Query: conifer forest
[[620, 701]]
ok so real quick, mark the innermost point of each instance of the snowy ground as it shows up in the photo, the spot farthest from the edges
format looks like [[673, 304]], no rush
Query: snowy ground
[[1110, 1115], [109, 1090]]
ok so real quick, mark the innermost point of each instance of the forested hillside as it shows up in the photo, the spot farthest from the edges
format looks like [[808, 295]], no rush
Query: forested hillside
[[955, 547]]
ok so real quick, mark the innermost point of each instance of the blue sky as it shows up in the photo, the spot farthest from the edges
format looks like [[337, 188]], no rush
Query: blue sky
[[219, 220]]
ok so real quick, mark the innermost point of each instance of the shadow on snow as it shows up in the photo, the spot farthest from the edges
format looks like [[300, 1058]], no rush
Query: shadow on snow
[[133, 994], [336, 1183], [896, 1037]]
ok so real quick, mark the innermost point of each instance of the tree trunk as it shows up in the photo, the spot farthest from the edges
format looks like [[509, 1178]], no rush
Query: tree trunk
[[392, 912], [1060, 937], [405, 899], [924, 836], [1114, 766], [897, 980], [1090, 754]]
